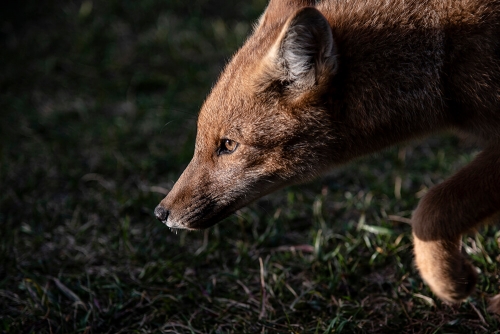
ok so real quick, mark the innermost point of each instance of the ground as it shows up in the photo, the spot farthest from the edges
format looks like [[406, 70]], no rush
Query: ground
[[98, 108]]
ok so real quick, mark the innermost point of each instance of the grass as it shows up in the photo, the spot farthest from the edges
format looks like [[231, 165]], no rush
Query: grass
[[99, 102]]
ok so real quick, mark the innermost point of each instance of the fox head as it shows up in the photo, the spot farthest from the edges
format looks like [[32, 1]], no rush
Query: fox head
[[265, 124]]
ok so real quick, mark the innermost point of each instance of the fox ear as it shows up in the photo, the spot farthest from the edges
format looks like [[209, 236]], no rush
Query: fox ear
[[305, 53]]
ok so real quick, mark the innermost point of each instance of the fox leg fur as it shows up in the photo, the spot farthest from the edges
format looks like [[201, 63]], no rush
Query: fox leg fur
[[468, 199]]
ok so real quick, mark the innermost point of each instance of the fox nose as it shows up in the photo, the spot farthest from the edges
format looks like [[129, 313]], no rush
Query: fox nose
[[161, 213]]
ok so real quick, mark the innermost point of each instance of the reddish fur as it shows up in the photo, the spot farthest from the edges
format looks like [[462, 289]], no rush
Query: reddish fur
[[395, 70]]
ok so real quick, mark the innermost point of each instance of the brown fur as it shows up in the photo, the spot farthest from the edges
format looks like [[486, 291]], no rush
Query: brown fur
[[318, 85]]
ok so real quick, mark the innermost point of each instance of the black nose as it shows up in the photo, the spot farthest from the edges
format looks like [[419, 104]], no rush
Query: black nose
[[161, 213]]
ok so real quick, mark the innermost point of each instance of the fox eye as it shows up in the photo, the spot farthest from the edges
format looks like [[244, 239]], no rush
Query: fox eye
[[226, 146]]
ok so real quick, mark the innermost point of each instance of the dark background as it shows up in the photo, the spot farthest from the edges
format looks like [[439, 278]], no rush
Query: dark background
[[98, 105]]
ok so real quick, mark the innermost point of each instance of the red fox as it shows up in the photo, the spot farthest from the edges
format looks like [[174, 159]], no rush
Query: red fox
[[319, 83]]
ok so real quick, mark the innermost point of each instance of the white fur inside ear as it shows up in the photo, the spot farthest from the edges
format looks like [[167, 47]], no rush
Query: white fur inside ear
[[298, 52], [305, 49]]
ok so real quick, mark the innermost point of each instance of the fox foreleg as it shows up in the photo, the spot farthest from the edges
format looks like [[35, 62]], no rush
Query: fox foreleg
[[458, 205]]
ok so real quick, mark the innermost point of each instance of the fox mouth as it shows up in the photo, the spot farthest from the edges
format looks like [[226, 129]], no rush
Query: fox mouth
[[199, 219], [174, 226], [197, 225], [211, 220]]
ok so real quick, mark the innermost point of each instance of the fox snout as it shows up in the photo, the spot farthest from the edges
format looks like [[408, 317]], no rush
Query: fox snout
[[181, 207], [200, 198]]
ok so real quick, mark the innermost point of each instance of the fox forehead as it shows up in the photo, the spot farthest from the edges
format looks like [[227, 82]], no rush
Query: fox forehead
[[222, 117], [233, 110], [251, 121]]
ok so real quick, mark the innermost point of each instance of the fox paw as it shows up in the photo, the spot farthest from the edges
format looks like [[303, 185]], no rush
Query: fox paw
[[455, 284], [449, 275]]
